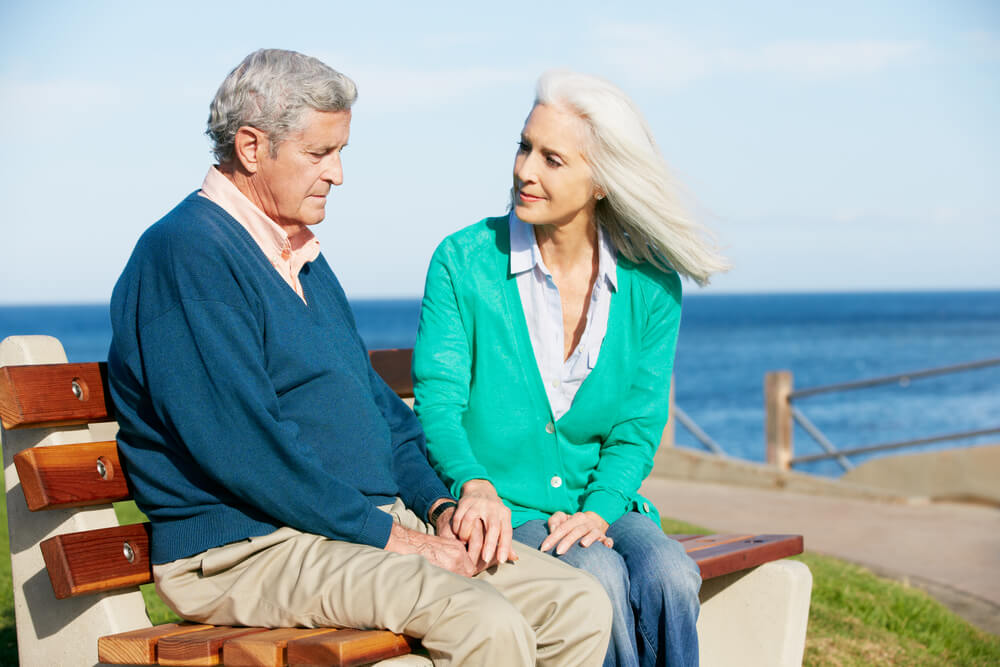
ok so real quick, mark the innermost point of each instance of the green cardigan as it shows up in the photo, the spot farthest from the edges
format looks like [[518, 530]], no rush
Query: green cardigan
[[482, 403]]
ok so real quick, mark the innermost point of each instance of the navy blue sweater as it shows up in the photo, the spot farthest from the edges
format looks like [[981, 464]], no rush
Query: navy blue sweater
[[243, 409]]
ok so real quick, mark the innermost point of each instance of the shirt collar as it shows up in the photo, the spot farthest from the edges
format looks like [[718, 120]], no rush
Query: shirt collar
[[523, 246], [525, 255], [272, 239]]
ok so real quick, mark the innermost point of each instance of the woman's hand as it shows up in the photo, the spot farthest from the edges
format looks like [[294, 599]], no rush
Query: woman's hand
[[482, 521], [566, 530]]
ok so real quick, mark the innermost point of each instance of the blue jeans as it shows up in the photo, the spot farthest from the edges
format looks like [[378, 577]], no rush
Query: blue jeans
[[653, 586]]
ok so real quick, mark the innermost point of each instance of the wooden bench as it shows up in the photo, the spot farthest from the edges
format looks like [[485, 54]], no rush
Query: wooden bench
[[58, 432]]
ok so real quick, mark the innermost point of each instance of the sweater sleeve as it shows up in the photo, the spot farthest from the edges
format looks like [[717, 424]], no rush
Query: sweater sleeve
[[626, 456], [419, 486], [442, 372]]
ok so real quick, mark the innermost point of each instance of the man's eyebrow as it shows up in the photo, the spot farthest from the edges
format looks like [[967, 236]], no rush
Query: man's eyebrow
[[324, 148]]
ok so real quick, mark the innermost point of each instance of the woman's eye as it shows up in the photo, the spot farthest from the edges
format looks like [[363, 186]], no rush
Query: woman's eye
[[523, 147], [553, 162]]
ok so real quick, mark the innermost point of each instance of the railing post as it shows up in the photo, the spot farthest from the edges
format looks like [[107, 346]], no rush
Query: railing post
[[778, 418], [667, 439]]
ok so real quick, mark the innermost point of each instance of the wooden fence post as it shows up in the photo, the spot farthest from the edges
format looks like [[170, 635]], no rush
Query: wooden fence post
[[667, 439], [778, 418]]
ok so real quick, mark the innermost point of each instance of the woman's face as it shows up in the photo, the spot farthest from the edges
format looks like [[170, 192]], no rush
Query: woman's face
[[552, 181]]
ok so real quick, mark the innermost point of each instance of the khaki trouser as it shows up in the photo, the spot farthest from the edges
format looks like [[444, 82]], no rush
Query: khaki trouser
[[535, 611]]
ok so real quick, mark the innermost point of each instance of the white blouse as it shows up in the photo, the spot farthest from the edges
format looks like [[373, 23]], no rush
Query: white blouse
[[543, 312]]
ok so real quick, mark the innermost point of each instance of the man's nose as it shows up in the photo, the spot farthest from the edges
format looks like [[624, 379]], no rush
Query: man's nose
[[333, 170]]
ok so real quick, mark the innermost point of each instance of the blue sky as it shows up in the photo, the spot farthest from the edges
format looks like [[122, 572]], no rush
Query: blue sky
[[830, 146]]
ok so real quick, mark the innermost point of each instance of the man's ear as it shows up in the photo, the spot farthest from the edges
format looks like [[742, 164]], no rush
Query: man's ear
[[249, 145]]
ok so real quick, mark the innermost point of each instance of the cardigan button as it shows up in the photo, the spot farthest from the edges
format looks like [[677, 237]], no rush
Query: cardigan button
[[550, 428], [556, 481], [645, 508]]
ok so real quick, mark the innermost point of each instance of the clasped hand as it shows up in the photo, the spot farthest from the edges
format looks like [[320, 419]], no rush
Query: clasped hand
[[478, 534], [470, 539], [482, 521]]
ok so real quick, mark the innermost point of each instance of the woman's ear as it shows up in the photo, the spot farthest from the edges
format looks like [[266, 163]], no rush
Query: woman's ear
[[248, 147]]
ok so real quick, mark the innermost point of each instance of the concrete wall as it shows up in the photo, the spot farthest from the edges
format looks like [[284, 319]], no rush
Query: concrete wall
[[968, 473], [695, 466]]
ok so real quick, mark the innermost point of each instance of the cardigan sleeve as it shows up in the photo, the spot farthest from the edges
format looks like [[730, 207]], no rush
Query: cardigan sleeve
[[442, 372], [626, 456]]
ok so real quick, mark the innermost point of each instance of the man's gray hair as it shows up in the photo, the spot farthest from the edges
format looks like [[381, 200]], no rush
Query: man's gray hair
[[271, 90]]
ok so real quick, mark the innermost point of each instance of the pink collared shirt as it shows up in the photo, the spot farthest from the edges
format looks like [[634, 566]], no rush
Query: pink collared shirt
[[543, 312], [287, 254]]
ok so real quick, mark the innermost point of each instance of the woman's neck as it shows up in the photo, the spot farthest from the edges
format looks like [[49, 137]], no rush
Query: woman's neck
[[567, 246]]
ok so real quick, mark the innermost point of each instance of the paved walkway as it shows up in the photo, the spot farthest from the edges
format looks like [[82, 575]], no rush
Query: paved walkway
[[952, 550]]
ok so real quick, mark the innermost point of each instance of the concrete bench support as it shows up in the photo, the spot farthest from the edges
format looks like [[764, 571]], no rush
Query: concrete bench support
[[756, 618], [50, 631]]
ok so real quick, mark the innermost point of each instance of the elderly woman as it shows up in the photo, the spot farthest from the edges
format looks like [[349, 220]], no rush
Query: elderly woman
[[543, 361]]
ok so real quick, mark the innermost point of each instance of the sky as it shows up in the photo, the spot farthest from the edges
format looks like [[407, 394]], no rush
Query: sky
[[831, 146]]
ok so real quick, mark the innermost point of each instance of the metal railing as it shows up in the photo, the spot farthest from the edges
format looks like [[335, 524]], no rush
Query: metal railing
[[781, 413], [695, 430]]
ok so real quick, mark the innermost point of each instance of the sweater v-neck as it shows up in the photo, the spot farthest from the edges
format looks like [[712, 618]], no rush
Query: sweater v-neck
[[267, 268]]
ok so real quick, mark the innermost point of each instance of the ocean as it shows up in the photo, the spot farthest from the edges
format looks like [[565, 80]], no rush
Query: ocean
[[728, 342]]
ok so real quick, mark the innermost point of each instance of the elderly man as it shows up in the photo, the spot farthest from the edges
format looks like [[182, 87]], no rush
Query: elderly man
[[286, 484]]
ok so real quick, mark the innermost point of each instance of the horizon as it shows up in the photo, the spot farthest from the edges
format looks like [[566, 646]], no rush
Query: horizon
[[699, 294], [848, 148]]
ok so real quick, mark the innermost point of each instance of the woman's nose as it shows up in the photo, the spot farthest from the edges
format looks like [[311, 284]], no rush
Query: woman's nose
[[524, 170]]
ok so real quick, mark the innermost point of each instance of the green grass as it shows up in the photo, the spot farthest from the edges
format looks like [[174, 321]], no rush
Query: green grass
[[856, 619]]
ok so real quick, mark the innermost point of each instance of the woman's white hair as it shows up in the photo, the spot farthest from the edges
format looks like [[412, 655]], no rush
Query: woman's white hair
[[641, 209], [271, 90]]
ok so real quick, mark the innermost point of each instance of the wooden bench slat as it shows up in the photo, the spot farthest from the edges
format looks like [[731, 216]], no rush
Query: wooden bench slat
[[138, 647], [346, 648], [70, 475], [198, 649], [95, 560], [394, 367], [53, 395], [735, 556], [265, 649], [700, 542]]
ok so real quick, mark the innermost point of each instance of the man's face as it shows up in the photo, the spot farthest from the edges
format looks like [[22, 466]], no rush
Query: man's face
[[292, 186]]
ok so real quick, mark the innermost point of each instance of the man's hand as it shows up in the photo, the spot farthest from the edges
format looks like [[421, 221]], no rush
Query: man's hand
[[566, 530], [482, 521], [444, 551]]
